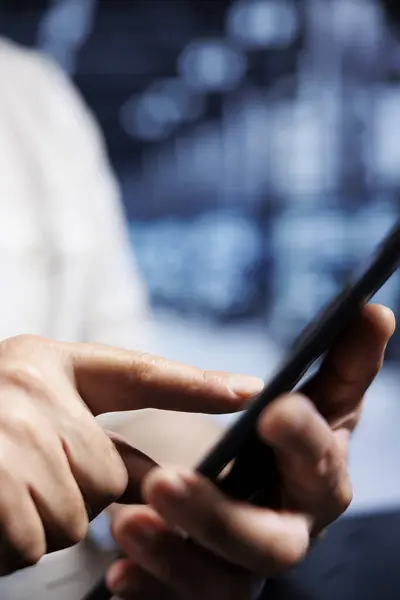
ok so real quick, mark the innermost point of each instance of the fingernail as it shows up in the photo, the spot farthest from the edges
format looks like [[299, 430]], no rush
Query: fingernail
[[245, 386], [176, 485]]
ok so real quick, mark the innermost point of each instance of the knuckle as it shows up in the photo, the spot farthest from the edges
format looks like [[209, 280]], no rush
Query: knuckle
[[142, 369], [140, 373], [215, 385], [70, 525], [77, 532], [24, 375], [18, 423], [33, 551], [19, 342], [25, 347], [211, 380], [76, 525], [23, 549]]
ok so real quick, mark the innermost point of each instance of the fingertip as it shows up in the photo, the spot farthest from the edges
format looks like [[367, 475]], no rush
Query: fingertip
[[229, 392], [244, 386], [163, 484], [132, 520], [292, 422], [288, 413], [382, 319]]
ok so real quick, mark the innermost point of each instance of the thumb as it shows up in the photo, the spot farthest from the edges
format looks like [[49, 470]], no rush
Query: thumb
[[137, 465], [111, 380]]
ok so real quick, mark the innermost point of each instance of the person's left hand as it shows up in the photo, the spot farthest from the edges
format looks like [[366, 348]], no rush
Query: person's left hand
[[237, 545]]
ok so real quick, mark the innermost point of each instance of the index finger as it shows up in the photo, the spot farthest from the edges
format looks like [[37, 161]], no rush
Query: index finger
[[350, 367], [110, 379]]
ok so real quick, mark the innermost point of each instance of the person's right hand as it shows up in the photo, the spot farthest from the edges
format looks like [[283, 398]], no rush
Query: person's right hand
[[57, 464], [190, 541]]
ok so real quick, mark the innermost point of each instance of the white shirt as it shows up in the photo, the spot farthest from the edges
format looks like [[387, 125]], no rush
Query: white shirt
[[66, 268]]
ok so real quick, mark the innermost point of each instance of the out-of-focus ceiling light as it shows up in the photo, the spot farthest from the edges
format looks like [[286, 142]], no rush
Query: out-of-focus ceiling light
[[189, 105], [63, 28], [146, 118], [357, 23], [257, 24], [67, 21], [211, 66], [165, 105]]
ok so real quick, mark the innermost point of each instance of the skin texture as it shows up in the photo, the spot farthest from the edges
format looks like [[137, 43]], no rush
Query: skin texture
[[58, 465]]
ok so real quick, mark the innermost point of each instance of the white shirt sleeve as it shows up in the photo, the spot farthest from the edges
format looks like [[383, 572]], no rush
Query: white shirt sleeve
[[115, 310]]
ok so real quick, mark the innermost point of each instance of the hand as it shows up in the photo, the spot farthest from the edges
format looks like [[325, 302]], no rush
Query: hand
[[238, 545], [56, 462]]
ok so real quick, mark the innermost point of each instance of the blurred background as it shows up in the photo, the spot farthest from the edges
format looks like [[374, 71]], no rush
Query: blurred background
[[257, 146]]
